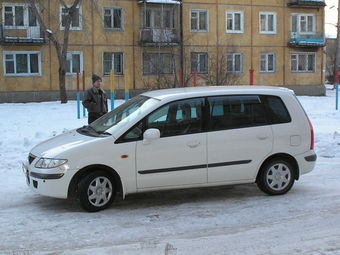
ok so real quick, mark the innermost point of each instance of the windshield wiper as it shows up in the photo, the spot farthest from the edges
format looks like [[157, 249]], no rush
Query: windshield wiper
[[104, 133]]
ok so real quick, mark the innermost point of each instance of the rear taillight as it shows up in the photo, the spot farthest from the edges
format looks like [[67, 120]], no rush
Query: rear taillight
[[311, 134]]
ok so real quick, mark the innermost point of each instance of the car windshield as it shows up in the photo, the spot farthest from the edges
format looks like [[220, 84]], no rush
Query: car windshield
[[123, 114]]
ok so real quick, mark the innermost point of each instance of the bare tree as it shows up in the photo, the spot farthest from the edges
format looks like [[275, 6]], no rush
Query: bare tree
[[331, 51], [61, 48]]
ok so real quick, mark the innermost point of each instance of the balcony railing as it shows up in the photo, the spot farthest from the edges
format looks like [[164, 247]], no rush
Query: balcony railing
[[159, 36], [301, 39], [31, 35], [307, 3]]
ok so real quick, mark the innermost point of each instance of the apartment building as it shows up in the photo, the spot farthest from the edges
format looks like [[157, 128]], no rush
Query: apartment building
[[152, 44]]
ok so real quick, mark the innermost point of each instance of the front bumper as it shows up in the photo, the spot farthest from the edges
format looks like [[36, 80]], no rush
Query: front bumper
[[48, 184]]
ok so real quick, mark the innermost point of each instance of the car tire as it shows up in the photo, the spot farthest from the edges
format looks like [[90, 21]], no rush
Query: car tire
[[96, 191], [276, 177]]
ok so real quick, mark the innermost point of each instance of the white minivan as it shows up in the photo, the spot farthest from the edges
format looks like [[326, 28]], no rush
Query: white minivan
[[179, 138]]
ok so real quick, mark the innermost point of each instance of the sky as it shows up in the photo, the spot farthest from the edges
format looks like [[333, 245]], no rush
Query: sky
[[331, 18], [237, 219]]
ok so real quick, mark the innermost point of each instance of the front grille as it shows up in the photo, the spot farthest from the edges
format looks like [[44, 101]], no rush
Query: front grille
[[31, 157]]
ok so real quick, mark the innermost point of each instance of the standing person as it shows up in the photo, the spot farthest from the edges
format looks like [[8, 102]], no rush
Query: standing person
[[95, 100]]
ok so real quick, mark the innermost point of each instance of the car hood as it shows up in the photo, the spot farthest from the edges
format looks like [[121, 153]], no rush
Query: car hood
[[53, 147]]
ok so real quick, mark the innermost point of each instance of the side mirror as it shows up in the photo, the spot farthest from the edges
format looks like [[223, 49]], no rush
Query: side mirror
[[151, 134]]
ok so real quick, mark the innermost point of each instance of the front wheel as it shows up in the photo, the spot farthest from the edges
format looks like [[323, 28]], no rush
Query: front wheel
[[96, 191], [276, 177]]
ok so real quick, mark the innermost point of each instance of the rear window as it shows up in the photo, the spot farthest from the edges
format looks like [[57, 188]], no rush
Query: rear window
[[275, 109], [228, 112]]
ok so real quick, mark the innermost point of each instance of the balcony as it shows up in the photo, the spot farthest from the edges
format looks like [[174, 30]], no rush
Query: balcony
[[159, 37], [299, 39], [307, 3], [28, 36]]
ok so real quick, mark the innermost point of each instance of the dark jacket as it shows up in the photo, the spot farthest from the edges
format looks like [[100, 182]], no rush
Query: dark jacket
[[95, 101]]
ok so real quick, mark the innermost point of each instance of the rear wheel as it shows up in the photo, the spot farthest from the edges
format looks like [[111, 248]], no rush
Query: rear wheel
[[96, 191], [276, 177]]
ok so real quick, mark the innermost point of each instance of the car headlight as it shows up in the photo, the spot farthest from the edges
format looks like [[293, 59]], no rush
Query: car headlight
[[50, 162]]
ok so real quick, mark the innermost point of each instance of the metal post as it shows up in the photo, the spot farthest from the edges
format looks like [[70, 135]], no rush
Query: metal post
[[78, 96], [112, 89]]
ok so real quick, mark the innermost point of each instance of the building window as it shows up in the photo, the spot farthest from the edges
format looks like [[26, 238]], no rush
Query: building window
[[157, 63], [234, 22], [113, 18], [303, 23], [234, 63], [267, 23], [199, 20], [157, 18], [199, 61], [113, 61], [267, 64], [20, 63], [76, 22], [74, 62], [18, 15], [302, 62]]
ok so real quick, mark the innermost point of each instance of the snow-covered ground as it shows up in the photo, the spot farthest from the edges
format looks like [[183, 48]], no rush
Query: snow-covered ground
[[236, 219]]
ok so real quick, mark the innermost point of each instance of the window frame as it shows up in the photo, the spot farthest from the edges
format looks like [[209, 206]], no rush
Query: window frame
[[306, 63], [112, 63], [233, 30], [70, 62], [198, 20], [195, 57], [234, 54], [266, 55], [80, 20], [152, 66], [112, 10], [267, 25], [297, 27], [15, 65], [26, 16]]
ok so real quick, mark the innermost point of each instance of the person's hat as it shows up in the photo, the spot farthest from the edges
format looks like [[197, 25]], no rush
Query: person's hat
[[96, 78]]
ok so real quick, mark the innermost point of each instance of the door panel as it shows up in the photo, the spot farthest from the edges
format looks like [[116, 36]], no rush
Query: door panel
[[172, 161], [235, 154]]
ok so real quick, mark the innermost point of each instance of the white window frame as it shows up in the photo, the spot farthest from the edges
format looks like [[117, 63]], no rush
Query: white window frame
[[266, 22], [297, 67], [112, 15], [303, 19], [151, 63], [195, 14], [265, 59], [25, 17], [202, 60], [70, 62], [16, 73], [80, 27], [114, 55], [230, 15], [231, 56]]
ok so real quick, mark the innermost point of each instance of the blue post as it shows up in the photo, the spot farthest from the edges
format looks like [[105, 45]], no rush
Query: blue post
[[112, 100], [78, 104], [84, 109], [112, 74], [336, 96], [127, 84]]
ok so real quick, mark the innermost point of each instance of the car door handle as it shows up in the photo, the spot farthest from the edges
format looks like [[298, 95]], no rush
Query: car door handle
[[262, 136], [193, 144]]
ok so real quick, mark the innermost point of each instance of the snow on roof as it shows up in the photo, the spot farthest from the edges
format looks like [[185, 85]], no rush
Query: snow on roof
[[160, 1]]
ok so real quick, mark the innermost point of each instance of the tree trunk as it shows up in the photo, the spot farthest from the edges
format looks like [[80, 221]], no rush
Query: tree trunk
[[62, 87]]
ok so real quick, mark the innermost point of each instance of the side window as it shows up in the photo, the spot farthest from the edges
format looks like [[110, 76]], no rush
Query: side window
[[276, 110], [177, 118], [231, 112]]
